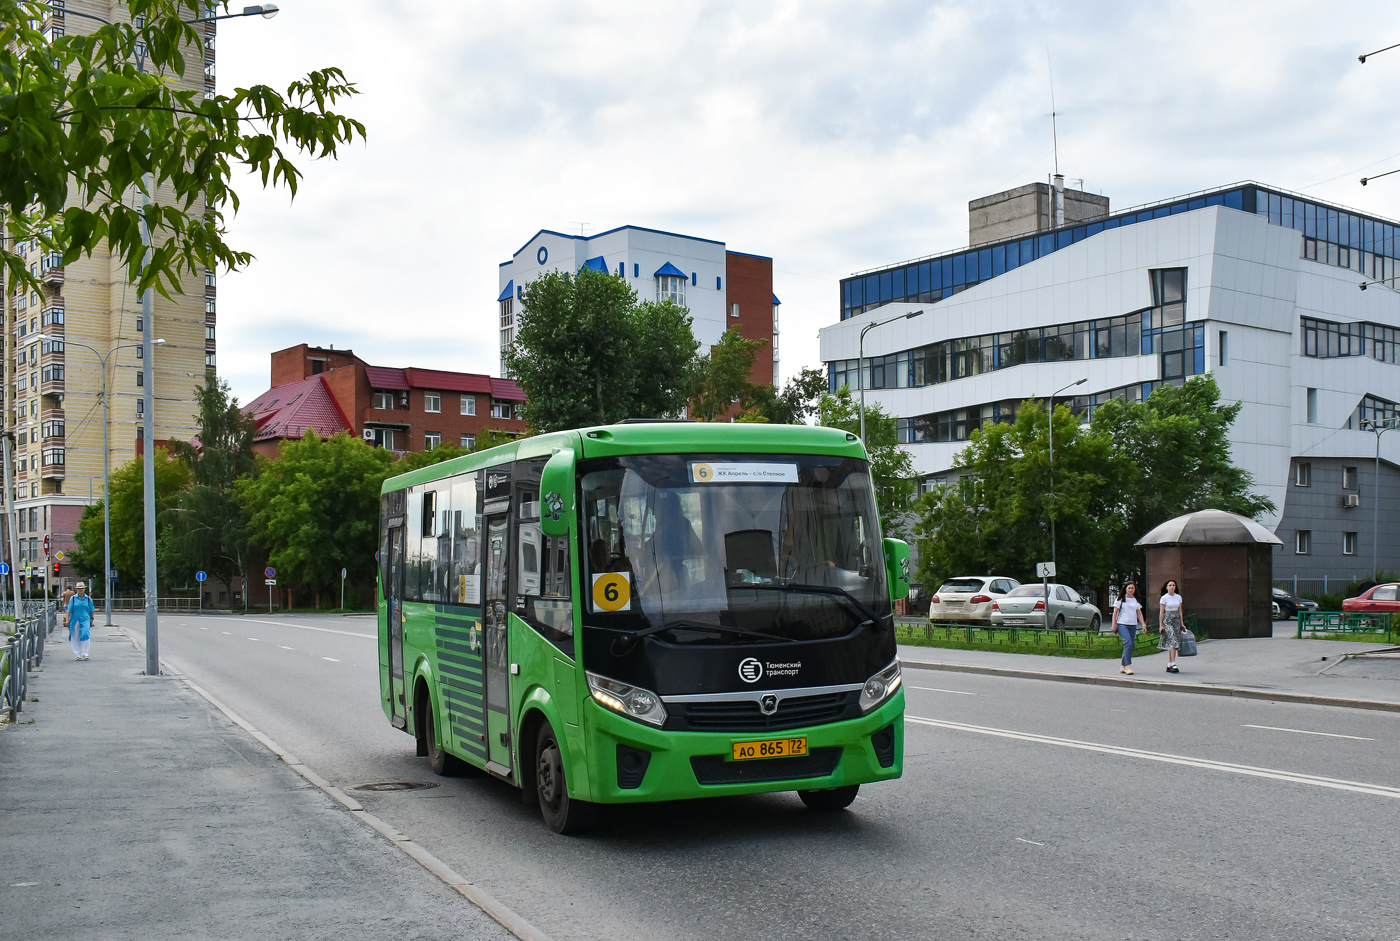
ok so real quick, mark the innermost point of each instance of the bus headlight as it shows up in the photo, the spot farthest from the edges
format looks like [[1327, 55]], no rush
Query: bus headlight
[[880, 687], [631, 701]]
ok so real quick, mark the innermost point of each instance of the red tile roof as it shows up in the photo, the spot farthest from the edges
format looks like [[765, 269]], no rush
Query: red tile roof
[[506, 389], [384, 377], [288, 410]]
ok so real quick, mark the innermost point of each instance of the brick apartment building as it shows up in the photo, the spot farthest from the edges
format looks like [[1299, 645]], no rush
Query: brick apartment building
[[402, 410]]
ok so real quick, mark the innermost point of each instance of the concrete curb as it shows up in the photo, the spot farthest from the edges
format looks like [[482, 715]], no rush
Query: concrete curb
[[502, 914], [1155, 685]]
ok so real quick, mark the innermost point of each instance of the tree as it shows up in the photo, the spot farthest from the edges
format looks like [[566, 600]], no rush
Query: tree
[[722, 376], [128, 549], [891, 467], [82, 121], [798, 401], [587, 353], [996, 516], [208, 529], [315, 509]]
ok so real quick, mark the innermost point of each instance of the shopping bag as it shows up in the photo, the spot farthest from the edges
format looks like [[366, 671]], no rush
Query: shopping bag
[[1187, 645]]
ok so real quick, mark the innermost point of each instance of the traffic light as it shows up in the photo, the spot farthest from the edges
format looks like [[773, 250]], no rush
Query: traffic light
[[55, 569]]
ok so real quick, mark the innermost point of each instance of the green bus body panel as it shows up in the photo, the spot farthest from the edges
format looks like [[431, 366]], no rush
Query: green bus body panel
[[438, 647]]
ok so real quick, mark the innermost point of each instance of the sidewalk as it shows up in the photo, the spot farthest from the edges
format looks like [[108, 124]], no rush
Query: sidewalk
[[1278, 667], [132, 809]]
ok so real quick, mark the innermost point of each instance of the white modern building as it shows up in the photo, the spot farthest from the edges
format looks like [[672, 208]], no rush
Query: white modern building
[[721, 288], [1260, 288]]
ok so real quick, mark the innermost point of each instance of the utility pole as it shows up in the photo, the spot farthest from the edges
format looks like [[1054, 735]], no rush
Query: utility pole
[[13, 515], [148, 452]]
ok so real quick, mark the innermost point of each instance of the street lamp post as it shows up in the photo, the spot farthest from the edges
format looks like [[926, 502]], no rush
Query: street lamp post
[[1378, 427], [860, 363], [106, 465], [1079, 382]]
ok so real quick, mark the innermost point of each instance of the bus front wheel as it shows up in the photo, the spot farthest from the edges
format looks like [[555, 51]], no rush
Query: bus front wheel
[[829, 799], [561, 813]]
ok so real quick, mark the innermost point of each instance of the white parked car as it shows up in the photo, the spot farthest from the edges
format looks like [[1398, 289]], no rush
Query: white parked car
[[968, 598], [1027, 605]]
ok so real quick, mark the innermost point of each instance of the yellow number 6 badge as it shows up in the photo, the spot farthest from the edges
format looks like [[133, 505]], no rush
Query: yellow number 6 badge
[[612, 591]]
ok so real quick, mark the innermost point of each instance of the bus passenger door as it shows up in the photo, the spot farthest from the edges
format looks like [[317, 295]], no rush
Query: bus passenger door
[[497, 654], [393, 592]]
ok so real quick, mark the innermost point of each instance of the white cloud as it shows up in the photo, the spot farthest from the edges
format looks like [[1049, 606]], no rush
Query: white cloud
[[832, 136]]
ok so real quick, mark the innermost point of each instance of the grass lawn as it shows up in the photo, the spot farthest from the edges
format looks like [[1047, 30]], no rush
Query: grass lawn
[[1081, 644]]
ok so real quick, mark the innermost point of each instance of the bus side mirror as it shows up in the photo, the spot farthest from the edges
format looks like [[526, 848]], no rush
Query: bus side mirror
[[557, 493], [897, 565]]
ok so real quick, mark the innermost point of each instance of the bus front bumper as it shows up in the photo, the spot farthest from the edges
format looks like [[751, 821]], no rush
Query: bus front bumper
[[680, 765]]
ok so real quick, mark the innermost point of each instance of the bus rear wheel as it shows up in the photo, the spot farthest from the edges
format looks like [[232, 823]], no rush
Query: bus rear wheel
[[438, 758], [829, 799], [561, 813]]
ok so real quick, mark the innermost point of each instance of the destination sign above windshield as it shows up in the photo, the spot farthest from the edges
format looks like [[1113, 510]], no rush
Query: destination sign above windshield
[[747, 472]]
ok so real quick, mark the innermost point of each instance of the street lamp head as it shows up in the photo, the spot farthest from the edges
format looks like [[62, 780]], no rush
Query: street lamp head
[[157, 342], [914, 313], [267, 11], [1081, 382]]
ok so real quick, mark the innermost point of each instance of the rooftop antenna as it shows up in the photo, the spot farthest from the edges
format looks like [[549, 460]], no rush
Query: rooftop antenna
[[1054, 131], [582, 228]]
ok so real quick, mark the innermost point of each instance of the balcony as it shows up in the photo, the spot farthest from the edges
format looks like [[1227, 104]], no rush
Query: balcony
[[51, 414], [53, 275]]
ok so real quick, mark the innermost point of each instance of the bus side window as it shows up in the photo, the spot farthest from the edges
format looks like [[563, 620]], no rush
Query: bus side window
[[413, 542], [542, 577]]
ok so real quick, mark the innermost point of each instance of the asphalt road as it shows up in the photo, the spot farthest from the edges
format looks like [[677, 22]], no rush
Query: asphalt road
[[1027, 809]]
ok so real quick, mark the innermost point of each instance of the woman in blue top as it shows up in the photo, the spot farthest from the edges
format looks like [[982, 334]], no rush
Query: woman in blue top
[[80, 622]]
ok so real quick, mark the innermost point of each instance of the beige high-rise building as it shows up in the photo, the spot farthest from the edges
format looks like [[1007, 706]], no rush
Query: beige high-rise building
[[52, 399]]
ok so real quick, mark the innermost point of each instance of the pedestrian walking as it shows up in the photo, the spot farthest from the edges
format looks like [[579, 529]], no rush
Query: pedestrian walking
[[1127, 615], [1171, 623], [63, 604], [80, 622]]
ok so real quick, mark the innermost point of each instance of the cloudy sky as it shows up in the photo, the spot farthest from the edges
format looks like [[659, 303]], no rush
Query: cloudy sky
[[832, 136]]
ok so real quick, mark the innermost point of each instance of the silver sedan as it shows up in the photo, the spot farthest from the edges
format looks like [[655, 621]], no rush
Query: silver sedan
[[1027, 606]]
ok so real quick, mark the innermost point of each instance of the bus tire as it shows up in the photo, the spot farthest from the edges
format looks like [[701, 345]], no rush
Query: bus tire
[[438, 758], [830, 799], [561, 813]]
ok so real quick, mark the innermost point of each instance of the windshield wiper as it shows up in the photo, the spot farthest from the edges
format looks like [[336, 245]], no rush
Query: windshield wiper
[[685, 624], [861, 608]]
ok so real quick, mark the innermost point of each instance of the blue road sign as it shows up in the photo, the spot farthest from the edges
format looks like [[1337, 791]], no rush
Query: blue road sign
[[112, 575], [200, 576], [270, 572], [4, 568]]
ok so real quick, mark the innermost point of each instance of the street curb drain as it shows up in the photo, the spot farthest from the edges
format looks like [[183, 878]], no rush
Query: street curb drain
[[395, 786], [503, 915], [1155, 686]]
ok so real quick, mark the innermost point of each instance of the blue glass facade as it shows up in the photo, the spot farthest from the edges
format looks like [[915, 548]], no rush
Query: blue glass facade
[[1336, 236]]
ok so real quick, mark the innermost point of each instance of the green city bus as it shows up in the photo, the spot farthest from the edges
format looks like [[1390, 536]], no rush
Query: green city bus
[[646, 611]]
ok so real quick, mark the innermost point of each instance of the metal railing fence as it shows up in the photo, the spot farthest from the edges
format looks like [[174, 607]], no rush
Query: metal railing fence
[[917, 629], [128, 605], [1348, 622], [23, 651]]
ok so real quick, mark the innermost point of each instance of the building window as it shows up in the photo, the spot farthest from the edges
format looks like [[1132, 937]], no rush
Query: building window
[[53, 373], [209, 278], [384, 400], [1224, 347], [1348, 543], [1303, 542], [670, 287], [140, 407], [500, 409], [140, 378], [431, 439], [52, 316], [210, 359], [734, 309], [139, 325], [1348, 478], [432, 402], [209, 331], [140, 352], [508, 312], [468, 442], [1312, 406], [53, 457], [209, 303], [468, 405], [54, 429], [1302, 474]]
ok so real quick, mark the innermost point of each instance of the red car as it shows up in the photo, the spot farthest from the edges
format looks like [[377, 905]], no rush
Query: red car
[[1382, 598]]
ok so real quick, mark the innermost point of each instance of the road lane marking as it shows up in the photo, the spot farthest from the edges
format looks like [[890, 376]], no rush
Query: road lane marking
[[224, 632], [1275, 728], [252, 638], [331, 659], [1358, 787], [1031, 842], [285, 647], [935, 689], [308, 627]]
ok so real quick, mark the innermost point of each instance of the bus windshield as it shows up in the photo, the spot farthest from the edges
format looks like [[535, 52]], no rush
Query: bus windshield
[[717, 549]]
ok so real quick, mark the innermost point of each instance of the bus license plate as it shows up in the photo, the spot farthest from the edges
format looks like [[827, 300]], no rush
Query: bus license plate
[[773, 748]]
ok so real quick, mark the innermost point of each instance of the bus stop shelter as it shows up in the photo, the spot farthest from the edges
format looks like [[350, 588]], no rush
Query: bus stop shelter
[[1224, 565]]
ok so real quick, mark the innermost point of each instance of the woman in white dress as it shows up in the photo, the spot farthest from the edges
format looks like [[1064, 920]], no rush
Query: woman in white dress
[[1172, 612]]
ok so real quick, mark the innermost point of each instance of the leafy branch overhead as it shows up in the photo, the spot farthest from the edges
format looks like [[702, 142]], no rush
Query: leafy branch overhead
[[85, 118]]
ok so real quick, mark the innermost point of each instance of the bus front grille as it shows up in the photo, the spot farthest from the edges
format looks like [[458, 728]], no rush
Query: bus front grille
[[746, 716], [718, 769]]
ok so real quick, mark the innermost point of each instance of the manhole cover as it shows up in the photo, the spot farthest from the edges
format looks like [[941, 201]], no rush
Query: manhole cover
[[394, 786]]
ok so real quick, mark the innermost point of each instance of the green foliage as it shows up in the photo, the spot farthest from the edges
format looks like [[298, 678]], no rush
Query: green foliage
[[208, 530], [316, 508], [1138, 465], [587, 353], [891, 467], [128, 544], [722, 376], [798, 401], [80, 121]]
